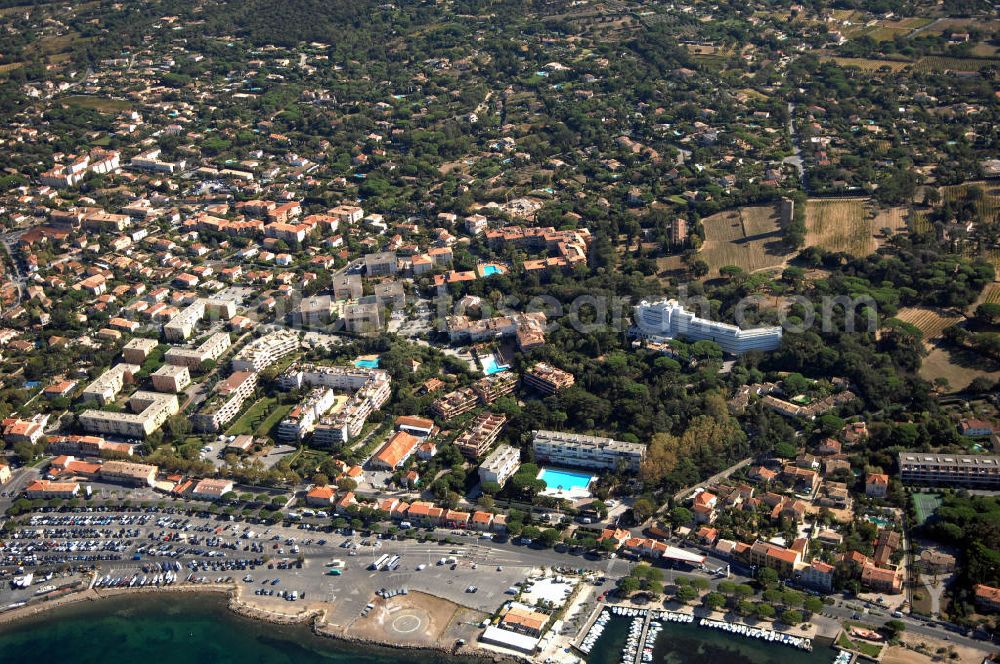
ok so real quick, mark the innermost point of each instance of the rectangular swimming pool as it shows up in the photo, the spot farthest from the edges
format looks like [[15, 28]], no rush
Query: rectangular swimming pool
[[367, 364], [490, 270], [565, 480]]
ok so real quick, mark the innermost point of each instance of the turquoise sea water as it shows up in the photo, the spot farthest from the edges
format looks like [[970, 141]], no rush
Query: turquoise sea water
[[555, 478], [181, 629]]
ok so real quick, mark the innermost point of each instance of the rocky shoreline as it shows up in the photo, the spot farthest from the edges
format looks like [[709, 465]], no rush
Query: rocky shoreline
[[315, 617]]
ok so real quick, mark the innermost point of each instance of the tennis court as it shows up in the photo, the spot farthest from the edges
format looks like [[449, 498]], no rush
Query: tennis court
[[924, 505]]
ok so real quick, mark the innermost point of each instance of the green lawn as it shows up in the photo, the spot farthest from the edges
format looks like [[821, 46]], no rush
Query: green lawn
[[248, 421], [924, 505], [869, 649], [272, 420], [99, 104]]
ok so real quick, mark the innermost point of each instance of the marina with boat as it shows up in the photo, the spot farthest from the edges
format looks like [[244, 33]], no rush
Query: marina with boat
[[644, 627]]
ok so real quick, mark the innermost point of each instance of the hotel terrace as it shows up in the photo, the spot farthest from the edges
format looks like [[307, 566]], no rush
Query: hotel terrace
[[529, 329]]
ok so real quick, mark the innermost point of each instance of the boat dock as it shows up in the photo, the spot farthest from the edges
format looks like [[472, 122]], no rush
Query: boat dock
[[648, 618], [585, 630]]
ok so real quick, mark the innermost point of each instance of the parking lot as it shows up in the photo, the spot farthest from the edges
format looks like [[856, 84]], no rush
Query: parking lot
[[420, 323], [124, 546]]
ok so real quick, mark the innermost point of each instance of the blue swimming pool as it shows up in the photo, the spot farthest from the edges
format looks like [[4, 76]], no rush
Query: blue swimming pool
[[490, 270], [492, 366], [879, 521], [367, 364], [565, 480]]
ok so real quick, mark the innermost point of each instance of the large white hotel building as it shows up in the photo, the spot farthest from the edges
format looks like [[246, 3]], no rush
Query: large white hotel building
[[582, 451], [669, 319]]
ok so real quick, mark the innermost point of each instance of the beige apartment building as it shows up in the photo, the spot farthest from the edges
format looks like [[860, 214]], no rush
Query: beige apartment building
[[475, 441], [211, 349], [149, 411], [170, 378], [137, 350], [110, 383], [127, 472]]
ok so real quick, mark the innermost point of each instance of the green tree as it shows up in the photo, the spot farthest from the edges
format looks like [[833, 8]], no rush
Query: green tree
[[894, 628], [550, 536], [714, 601], [767, 577], [792, 617], [685, 594], [643, 508], [988, 312], [792, 598], [628, 584], [813, 604], [681, 516], [764, 611]]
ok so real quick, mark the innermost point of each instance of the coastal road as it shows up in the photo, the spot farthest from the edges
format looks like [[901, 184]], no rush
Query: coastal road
[[843, 611]]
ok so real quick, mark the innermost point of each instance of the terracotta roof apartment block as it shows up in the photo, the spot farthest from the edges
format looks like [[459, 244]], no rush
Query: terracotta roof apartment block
[[398, 449], [987, 597]]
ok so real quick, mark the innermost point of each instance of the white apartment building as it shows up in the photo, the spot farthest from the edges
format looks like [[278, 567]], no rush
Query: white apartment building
[[371, 388], [227, 401], [149, 411], [573, 449], [266, 350], [974, 471], [181, 326], [302, 419], [500, 465], [110, 383], [150, 161], [668, 319], [211, 349]]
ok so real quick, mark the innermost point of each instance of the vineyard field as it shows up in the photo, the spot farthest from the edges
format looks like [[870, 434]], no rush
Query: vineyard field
[[840, 225], [931, 322], [750, 238]]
